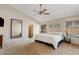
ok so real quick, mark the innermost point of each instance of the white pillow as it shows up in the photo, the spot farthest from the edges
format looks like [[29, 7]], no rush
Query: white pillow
[[56, 33]]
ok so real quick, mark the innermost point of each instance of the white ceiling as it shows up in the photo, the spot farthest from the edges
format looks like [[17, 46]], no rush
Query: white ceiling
[[56, 10]]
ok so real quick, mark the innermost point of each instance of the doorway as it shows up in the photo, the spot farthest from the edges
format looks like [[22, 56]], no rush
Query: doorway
[[31, 31]]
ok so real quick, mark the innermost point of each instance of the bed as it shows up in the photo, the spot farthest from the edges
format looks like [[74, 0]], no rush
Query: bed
[[51, 38]]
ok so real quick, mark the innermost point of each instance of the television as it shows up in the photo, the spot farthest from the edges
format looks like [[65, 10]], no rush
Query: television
[[1, 22]]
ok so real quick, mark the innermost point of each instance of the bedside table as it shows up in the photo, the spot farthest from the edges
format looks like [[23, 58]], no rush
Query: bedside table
[[67, 39]]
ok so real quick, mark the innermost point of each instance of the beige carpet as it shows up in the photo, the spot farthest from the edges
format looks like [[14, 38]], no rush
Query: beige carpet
[[21, 47]]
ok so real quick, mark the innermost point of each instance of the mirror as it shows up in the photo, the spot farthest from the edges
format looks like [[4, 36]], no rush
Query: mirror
[[16, 28]]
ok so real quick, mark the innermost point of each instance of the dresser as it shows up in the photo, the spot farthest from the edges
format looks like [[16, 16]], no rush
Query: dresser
[[1, 40]]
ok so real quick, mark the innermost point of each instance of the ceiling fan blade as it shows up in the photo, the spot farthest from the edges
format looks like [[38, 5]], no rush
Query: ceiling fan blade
[[43, 10], [46, 13], [35, 10]]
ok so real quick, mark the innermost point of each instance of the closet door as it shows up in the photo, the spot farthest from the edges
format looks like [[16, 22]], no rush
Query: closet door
[[31, 31]]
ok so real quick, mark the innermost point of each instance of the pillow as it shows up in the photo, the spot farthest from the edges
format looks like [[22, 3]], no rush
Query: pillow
[[56, 33]]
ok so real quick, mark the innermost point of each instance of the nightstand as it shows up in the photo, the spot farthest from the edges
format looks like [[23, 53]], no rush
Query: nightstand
[[67, 39]]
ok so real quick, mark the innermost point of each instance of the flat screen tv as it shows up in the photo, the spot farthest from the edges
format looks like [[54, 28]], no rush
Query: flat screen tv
[[1, 22]]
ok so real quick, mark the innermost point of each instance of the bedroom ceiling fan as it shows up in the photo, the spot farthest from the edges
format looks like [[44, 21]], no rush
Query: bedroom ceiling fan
[[42, 12]]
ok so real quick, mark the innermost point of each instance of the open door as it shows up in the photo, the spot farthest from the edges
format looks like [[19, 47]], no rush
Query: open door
[[31, 31]]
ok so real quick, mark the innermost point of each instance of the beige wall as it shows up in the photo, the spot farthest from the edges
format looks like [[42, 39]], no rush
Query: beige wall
[[7, 12], [62, 23]]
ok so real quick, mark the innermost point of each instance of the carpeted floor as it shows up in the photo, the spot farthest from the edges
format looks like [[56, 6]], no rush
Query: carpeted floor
[[21, 47]]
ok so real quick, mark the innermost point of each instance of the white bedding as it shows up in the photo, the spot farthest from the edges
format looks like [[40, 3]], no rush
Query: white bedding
[[49, 38]]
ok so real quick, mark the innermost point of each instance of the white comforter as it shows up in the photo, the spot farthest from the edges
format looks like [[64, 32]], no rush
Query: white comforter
[[52, 39]]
